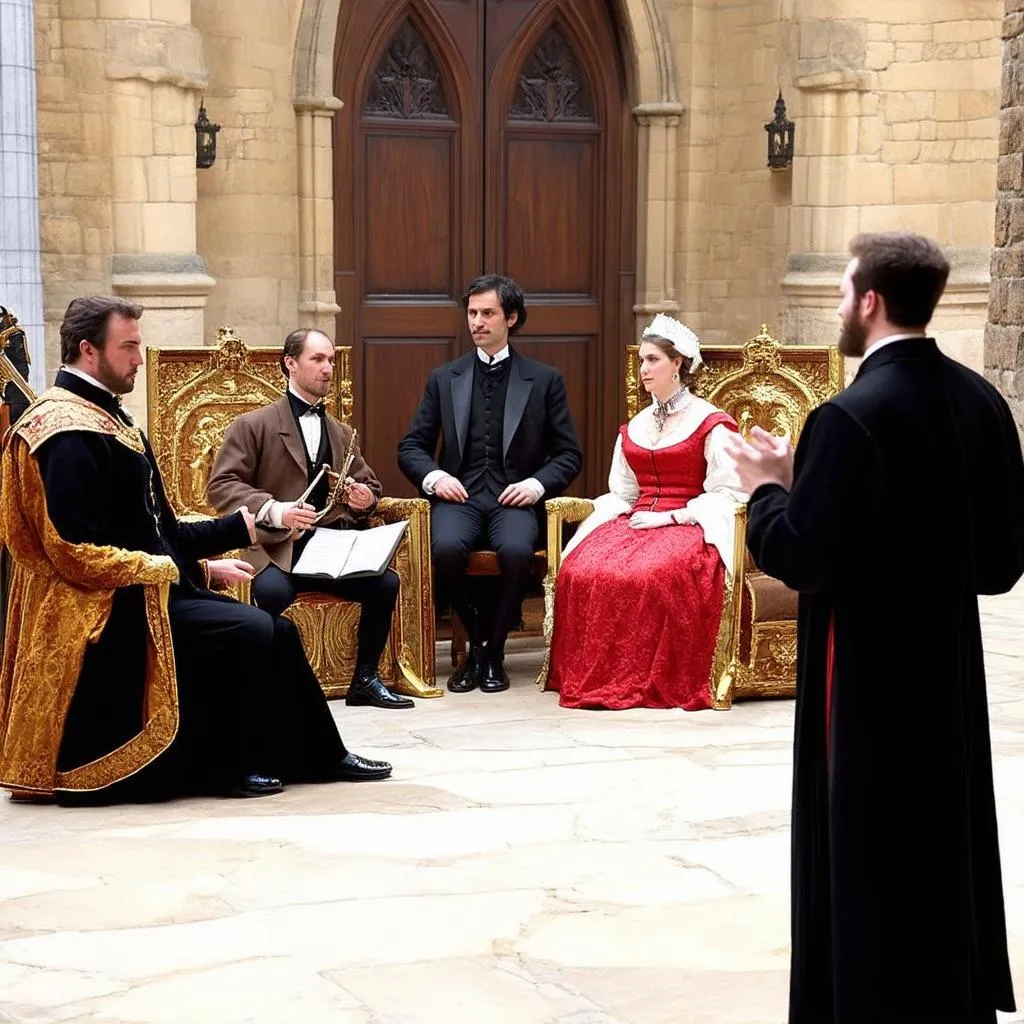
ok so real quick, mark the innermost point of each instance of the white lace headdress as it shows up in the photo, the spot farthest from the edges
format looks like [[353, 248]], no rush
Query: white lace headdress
[[682, 338]]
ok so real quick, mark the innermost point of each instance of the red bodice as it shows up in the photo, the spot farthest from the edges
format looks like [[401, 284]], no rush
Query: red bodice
[[672, 476]]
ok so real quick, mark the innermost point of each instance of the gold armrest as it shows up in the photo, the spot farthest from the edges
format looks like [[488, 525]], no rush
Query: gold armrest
[[727, 670], [560, 512], [413, 628]]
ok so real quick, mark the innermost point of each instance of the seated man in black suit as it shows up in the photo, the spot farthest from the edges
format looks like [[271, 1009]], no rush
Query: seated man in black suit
[[507, 442]]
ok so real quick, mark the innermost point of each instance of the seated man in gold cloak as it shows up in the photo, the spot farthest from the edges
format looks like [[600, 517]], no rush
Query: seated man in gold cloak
[[123, 675]]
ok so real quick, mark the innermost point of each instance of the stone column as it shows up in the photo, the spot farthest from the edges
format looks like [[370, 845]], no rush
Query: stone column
[[657, 148], [21, 279], [156, 69], [318, 305], [1004, 333]]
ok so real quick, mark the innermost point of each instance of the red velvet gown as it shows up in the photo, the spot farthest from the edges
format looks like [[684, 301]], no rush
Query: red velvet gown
[[637, 611]]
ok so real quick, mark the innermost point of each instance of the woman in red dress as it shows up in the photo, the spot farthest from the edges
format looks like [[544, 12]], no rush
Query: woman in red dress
[[639, 595]]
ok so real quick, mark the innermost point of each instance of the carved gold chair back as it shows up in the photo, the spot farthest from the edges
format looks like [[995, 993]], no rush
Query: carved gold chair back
[[760, 383], [773, 386], [194, 394]]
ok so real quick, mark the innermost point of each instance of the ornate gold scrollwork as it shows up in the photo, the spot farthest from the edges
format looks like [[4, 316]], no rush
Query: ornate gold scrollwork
[[195, 393]]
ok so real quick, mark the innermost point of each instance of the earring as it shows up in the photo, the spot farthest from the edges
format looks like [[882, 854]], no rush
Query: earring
[[675, 376]]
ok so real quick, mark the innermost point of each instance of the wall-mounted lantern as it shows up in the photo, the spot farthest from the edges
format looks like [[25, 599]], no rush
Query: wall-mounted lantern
[[206, 138], [780, 138]]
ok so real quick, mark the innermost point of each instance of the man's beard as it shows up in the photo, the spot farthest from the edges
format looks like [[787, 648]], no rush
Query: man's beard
[[318, 387], [108, 376], [852, 337]]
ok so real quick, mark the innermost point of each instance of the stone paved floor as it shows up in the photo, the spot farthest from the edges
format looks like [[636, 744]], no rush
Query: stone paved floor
[[525, 864]]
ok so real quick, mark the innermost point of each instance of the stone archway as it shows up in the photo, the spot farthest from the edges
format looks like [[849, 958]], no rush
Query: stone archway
[[656, 109]]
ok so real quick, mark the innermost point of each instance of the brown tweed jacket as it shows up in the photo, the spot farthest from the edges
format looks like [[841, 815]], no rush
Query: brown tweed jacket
[[263, 457]]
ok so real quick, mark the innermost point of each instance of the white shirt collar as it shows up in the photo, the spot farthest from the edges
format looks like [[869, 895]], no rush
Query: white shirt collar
[[888, 340], [301, 399], [488, 361], [88, 377]]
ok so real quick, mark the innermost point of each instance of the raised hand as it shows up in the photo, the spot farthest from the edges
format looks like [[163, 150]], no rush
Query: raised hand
[[765, 459]]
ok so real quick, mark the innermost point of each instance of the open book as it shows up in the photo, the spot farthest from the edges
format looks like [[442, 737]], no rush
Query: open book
[[349, 554]]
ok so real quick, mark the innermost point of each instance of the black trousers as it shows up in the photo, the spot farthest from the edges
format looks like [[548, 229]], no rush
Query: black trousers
[[491, 611], [274, 590], [248, 702]]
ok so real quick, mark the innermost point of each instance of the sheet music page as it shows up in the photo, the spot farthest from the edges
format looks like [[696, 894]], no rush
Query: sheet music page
[[326, 553], [373, 548]]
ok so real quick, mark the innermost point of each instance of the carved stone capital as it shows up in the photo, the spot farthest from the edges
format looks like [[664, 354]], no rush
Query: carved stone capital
[[325, 106]]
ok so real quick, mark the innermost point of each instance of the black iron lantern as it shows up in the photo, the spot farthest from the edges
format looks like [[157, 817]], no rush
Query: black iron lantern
[[206, 138], [780, 138]]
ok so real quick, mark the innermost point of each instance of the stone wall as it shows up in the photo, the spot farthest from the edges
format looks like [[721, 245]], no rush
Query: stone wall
[[248, 201], [733, 222], [896, 108], [1004, 335], [895, 104]]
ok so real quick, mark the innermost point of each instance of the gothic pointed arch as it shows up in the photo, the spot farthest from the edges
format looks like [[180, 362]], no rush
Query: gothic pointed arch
[[407, 81], [552, 84], [652, 67]]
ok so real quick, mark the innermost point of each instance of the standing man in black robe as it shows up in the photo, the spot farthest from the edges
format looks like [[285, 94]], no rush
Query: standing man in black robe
[[905, 501], [507, 441], [242, 710]]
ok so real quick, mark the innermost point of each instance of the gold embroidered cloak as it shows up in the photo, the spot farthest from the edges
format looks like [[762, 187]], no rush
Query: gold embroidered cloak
[[59, 599]]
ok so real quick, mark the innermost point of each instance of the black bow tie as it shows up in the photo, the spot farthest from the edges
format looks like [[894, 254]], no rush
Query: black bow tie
[[301, 406]]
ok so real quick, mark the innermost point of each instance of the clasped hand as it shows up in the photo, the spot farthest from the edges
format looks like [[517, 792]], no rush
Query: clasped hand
[[650, 520]]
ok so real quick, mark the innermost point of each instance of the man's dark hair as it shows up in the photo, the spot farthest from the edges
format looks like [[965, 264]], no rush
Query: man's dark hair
[[510, 295], [295, 343], [86, 319], [908, 271]]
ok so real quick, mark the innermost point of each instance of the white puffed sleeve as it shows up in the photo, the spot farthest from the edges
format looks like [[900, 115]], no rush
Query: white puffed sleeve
[[621, 479], [623, 490], [715, 509]]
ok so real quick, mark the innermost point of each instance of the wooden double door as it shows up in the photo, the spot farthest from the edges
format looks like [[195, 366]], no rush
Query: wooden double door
[[480, 136]]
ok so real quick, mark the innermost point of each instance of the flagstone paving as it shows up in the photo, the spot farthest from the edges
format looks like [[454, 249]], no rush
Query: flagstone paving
[[525, 864]]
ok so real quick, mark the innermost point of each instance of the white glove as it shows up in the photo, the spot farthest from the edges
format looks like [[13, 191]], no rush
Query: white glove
[[649, 520]]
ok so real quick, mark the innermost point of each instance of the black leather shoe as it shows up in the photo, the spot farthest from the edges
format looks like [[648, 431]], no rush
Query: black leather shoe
[[469, 674], [256, 785], [368, 689], [495, 678], [353, 768]]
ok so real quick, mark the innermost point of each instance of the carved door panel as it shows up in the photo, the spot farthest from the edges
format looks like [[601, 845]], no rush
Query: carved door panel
[[481, 135]]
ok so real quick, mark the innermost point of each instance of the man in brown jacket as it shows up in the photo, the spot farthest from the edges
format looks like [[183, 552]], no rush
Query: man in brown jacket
[[268, 460]]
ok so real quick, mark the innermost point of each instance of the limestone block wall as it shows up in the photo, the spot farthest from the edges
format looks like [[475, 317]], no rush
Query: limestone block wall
[[733, 222], [248, 201], [896, 107], [1004, 335], [117, 82], [75, 213]]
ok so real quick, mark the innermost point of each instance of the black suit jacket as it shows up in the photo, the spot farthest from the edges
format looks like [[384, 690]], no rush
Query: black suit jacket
[[538, 436], [907, 502]]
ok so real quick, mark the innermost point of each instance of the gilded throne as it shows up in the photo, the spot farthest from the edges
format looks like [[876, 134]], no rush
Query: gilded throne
[[194, 393], [767, 384]]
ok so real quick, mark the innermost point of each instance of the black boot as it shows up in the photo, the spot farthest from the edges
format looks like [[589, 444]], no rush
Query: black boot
[[367, 688], [468, 675], [494, 678]]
